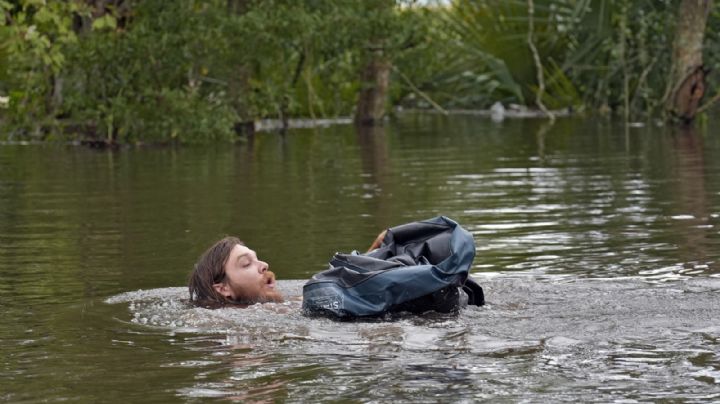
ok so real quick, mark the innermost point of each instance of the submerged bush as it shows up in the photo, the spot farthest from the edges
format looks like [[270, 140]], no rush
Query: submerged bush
[[145, 82], [189, 71]]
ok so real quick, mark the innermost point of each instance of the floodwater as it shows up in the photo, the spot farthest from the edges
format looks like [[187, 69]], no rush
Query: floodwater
[[597, 246]]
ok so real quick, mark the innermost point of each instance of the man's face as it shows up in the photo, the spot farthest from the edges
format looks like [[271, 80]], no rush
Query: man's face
[[247, 279]]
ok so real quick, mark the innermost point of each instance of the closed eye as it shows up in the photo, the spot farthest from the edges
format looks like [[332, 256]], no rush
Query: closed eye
[[243, 261]]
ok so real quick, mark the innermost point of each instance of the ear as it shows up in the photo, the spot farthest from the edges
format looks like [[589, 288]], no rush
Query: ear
[[223, 289]]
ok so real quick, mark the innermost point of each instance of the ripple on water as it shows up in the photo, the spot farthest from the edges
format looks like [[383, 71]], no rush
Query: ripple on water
[[600, 339]]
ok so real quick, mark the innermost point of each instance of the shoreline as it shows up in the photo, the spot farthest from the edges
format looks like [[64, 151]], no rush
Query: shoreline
[[498, 113]]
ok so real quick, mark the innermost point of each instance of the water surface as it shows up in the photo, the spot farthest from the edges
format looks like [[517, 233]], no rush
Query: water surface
[[598, 247]]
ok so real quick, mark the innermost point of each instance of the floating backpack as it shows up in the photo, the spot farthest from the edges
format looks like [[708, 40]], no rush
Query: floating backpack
[[419, 267]]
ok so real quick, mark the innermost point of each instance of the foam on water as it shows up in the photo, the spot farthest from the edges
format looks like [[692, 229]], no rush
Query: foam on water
[[170, 308], [600, 339]]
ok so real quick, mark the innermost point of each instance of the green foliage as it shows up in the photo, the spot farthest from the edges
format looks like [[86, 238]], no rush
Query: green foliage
[[33, 37], [188, 71], [560, 90], [619, 42], [492, 34], [147, 83], [598, 53], [293, 66], [711, 52], [477, 53]]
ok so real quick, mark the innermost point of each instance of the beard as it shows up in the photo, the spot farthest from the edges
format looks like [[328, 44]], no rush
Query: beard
[[269, 291], [263, 292]]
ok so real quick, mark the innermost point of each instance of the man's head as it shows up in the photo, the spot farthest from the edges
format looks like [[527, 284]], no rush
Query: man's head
[[229, 272]]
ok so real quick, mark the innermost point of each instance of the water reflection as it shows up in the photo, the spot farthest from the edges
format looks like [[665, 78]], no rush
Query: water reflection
[[540, 135], [692, 218], [376, 173], [598, 249]]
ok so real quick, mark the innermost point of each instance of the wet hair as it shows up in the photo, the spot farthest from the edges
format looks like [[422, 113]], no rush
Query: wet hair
[[209, 270]]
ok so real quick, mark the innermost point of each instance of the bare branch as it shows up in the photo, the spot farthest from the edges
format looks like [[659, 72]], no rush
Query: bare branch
[[709, 103], [538, 64], [419, 92]]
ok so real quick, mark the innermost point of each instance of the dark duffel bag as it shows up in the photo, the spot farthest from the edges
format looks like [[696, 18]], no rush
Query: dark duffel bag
[[419, 266]]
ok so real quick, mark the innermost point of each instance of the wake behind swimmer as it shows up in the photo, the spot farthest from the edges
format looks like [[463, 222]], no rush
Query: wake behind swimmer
[[415, 267]]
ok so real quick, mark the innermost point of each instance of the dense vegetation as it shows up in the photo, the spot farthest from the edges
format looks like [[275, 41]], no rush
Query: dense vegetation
[[128, 71]]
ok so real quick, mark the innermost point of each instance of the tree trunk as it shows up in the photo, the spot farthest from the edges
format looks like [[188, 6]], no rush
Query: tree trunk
[[238, 89], [238, 6], [687, 75], [54, 97], [239, 83], [375, 81]]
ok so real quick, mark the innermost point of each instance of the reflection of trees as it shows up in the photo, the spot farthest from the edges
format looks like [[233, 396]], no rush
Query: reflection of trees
[[374, 158], [43, 237], [264, 392], [540, 138], [690, 165], [265, 389], [373, 151]]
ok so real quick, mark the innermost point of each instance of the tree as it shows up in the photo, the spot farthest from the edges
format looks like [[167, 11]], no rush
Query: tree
[[687, 76], [375, 80], [385, 29]]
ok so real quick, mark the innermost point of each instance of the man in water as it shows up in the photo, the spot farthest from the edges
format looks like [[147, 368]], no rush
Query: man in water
[[231, 273], [414, 267]]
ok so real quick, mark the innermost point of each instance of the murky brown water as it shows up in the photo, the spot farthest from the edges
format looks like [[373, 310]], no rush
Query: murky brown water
[[598, 249]]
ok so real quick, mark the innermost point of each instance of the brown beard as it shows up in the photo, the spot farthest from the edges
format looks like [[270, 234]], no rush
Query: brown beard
[[270, 294], [261, 294]]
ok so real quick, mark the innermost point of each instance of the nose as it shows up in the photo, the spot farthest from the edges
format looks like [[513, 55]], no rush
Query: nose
[[263, 266]]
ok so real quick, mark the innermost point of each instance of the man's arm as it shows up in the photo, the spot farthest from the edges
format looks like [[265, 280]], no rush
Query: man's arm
[[378, 241]]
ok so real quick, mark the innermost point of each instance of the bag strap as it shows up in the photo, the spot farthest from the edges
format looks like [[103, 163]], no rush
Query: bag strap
[[476, 297]]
